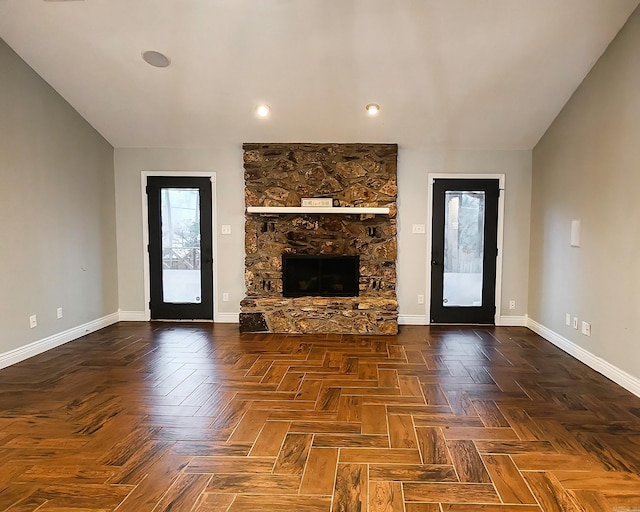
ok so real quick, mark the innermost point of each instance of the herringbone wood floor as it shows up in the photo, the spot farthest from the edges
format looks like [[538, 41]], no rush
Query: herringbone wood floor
[[185, 417]]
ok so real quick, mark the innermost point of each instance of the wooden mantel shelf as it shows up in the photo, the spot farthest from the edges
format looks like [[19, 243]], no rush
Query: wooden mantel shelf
[[349, 210]]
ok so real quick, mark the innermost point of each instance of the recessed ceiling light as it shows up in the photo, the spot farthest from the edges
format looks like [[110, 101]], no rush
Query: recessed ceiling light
[[156, 59], [372, 109], [263, 111]]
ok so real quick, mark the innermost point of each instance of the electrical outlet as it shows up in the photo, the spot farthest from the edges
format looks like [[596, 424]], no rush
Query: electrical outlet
[[420, 299], [59, 313], [512, 304], [225, 297], [418, 229], [567, 319], [586, 328], [33, 321], [575, 322], [225, 229]]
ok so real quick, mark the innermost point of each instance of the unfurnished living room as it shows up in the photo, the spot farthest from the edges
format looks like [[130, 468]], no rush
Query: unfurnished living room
[[320, 255]]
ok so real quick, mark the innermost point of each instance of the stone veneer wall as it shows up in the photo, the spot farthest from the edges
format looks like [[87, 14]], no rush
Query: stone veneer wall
[[352, 175]]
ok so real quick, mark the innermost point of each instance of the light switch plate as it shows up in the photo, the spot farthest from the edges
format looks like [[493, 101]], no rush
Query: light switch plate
[[575, 233], [418, 229], [225, 229]]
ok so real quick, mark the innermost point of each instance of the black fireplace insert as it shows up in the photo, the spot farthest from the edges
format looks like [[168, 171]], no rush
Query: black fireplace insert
[[320, 275]]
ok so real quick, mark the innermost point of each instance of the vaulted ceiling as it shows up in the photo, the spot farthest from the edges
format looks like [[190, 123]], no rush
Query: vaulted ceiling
[[465, 74]]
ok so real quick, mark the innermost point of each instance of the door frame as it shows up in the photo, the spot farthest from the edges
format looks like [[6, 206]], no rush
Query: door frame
[[145, 233], [431, 177]]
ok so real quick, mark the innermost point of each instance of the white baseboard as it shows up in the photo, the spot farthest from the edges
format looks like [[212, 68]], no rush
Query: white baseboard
[[133, 316], [506, 321], [228, 318], [234, 318], [141, 316], [513, 321], [627, 381], [413, 320], [38, 347]]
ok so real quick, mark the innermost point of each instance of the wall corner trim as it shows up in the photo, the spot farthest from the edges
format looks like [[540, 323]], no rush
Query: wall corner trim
[[227, 318], [513, 321], [620, 377], [38, 347], [413, 320], [133, 316]]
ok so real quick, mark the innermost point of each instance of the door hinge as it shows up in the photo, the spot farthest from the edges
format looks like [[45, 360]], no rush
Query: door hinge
[[146, 189]]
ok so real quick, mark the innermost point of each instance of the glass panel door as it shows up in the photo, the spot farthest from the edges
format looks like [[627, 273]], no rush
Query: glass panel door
[[464, 250], [180, 248]]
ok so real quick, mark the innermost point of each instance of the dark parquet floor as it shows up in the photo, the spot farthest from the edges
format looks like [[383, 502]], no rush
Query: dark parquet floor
[[198, 418]]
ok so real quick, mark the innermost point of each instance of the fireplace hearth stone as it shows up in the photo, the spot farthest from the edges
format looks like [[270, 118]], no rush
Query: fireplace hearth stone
[[313, 315]]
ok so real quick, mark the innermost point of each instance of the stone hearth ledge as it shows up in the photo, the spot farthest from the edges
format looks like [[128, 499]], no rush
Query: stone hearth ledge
[[306, 315]]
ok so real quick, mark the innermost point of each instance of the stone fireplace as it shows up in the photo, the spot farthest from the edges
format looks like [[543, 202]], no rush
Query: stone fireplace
[[352, 175]]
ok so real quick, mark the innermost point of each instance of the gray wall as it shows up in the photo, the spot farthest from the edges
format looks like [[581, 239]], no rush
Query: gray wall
[[57, 205], [226, 162], [413, 166], [587, 167]]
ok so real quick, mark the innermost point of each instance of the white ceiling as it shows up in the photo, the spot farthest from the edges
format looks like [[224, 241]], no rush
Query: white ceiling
[[465, 74]]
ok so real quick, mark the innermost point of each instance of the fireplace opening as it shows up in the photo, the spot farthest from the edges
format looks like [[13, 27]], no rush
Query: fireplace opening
[[320, 275]]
